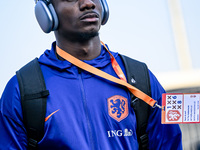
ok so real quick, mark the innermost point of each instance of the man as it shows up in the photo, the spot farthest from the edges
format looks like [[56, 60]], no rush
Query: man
[[79, 100]]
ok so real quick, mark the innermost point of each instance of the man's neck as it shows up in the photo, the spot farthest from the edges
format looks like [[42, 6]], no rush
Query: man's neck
[[86, 50]]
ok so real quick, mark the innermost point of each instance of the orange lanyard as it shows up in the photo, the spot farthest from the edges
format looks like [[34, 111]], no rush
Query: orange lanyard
[[122, 81], [115, 65]]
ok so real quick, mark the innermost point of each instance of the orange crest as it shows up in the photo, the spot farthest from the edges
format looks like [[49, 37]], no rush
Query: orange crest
[[118, 107]]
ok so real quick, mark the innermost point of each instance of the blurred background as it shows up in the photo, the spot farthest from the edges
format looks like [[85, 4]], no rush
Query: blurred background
[[165, 34]]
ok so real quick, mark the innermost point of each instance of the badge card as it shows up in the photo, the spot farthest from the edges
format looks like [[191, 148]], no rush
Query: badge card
[[180, 108]]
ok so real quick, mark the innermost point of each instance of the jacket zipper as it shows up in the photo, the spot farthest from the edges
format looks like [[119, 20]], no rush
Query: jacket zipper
[[85, 108]]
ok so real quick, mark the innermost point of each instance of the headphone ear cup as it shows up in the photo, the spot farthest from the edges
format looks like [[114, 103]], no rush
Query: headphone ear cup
[[46, 16], [55, 17], [105, 12]]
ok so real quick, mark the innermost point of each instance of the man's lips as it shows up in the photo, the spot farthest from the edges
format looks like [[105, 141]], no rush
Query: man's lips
[[90, 17]]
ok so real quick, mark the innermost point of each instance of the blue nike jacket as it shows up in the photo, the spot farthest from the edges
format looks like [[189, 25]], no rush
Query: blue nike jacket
[[84, 111]]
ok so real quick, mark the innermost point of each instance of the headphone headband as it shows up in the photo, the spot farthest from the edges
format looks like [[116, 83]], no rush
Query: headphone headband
[[35, 1], [46, 1]]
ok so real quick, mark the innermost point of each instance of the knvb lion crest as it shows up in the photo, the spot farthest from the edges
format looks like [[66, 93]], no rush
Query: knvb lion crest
[[118, 107], [173, 115]]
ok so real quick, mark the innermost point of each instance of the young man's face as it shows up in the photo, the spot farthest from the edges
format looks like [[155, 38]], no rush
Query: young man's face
[[78, 17]]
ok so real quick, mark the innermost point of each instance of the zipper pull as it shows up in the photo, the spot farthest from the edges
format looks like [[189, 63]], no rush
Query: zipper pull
[[79, 70]]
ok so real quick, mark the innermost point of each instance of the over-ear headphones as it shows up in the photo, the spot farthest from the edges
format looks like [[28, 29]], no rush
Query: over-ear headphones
[[47, 17]]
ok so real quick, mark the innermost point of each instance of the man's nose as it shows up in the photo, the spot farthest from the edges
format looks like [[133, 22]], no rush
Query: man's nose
[[86, 4]]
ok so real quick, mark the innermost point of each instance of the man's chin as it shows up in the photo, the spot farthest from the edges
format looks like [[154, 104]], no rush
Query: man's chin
[[78, 36], [87, 36]]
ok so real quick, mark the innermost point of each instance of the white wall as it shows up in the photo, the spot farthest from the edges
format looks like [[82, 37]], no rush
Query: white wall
[[139, 29]]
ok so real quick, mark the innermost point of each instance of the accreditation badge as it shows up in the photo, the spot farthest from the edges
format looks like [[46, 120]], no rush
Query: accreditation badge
[[180, 108]]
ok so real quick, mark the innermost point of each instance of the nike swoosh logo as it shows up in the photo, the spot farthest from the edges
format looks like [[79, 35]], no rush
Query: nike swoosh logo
[[51, 115]]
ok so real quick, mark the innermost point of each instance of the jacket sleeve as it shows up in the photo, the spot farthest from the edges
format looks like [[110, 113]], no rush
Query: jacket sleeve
[[161, 136], [13, 133]]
